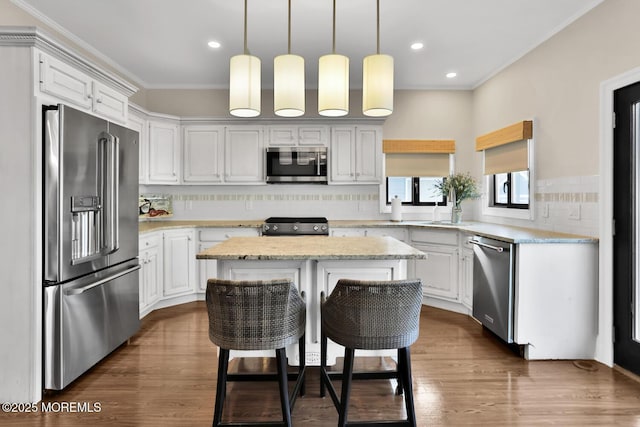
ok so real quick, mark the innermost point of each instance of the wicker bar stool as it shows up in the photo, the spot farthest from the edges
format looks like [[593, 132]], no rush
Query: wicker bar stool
[[371, 315], [257, 315]]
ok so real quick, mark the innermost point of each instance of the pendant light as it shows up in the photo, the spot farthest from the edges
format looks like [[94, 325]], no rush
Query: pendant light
[[244, 81], [333, 81], [377, 79], [288, 81]]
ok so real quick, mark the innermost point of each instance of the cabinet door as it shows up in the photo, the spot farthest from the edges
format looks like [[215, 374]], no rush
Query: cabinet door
[[207, 268], [139, 124], [164, 153], [65, 82], [439, 271], [109, 103], [283, 136], [368, 155], [342, 155], [179, 263], [151, 271], [244, 155], [466, 279], [313, 135], [203, 158]]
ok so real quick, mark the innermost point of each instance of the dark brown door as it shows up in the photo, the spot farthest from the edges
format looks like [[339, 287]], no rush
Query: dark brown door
[[626, 241]]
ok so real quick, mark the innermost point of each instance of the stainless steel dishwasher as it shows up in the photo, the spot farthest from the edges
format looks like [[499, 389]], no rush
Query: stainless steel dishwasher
[[493, 285]]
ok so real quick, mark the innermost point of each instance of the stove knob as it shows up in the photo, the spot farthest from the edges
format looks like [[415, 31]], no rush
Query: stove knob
[[266, 227], [275, 228], [295, 228], [324, 228], [316, 228]]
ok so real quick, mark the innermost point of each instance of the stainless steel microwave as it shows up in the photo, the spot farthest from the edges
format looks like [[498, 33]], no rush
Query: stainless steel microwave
[[297, 165]]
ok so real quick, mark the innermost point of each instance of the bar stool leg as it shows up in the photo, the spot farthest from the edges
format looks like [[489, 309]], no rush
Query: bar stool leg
[[347, 372], [302, 356], [221, 386], [323, 362], [399, 368], [281, 359], [405, 354]]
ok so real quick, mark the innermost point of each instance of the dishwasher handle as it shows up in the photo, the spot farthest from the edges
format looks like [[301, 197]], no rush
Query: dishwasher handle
[[484, 245]]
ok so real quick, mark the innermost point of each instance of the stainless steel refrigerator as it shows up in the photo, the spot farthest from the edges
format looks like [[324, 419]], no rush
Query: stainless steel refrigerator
[[90, 241]]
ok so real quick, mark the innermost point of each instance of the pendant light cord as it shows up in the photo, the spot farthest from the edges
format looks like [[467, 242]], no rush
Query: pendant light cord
[[289, 35], [333, 49], [246, 51], [378, 27]]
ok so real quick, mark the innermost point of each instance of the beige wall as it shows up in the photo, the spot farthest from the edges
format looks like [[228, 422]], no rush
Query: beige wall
[[558, 85]]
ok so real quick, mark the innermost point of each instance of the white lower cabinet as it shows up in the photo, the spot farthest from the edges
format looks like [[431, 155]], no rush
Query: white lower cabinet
[[208, 237], [179, 265], [439, 271], [151, 271]]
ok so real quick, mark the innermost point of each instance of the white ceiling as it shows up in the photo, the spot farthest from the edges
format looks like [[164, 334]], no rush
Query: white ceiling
[[163, 43]]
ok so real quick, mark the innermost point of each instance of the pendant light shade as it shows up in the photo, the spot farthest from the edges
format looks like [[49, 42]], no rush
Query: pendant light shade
[[244, 86], [377, 85], [244, 81], [333, 81], [288, 85], [377, 79], [333, 85], [288, 81]]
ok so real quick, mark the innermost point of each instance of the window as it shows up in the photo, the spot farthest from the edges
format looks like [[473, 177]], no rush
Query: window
[[415, 191], [510, 190]]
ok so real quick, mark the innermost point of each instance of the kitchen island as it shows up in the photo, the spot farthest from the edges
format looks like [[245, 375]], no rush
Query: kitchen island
[[314, 264]]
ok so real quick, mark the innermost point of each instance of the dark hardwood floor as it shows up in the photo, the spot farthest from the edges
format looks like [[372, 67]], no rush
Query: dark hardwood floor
[[462, 375]]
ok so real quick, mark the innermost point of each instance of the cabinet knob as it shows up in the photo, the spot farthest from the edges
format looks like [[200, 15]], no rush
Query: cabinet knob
[[89, 96], [99, 100]]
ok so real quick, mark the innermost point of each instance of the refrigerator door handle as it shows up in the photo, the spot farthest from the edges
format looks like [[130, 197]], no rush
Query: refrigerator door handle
[[110, 183], [78, 291]]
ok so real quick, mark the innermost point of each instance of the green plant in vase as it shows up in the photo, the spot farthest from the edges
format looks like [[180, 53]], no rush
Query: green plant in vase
[[457, 188]]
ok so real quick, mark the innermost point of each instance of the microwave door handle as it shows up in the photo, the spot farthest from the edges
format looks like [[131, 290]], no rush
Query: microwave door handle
[[318, 163], [110, 190]]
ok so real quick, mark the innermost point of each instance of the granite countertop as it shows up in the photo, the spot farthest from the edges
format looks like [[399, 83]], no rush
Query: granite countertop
[[147, 226], [505, 233], [310, 247]]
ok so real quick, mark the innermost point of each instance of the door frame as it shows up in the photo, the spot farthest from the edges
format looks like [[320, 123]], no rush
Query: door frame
[[604, 342]]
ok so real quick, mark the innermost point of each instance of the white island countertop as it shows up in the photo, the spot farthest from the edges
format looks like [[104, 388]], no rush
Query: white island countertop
[[310, 247]]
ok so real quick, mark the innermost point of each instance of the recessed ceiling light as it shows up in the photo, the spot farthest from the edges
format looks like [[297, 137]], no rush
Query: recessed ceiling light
[[417, 45], [214, 44], [451, 75]]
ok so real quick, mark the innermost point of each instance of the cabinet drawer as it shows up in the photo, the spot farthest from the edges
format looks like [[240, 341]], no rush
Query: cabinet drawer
[[149, 241], [442, 237], [396, 233], [220, 234]]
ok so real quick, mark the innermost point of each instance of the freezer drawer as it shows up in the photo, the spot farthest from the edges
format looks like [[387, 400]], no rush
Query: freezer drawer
[[86, 319]]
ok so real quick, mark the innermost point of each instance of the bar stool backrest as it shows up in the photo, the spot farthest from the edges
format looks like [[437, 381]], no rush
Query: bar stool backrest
[[254, 315], [373, 315]]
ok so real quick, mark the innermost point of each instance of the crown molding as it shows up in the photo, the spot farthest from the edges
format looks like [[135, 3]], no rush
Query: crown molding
[[36, 38]]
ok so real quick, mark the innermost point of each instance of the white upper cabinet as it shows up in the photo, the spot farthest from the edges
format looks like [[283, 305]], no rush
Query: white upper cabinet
[[291, 136], [203, 154], [139, 124], [356, 155], [164, 152], [368, 154], [244, 155], [72, 86]]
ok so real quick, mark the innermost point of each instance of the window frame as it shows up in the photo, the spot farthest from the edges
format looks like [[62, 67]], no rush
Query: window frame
[[509, 204], [415, 194]]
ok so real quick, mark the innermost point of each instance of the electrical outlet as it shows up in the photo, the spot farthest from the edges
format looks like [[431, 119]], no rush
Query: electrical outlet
[[574, 211], [545, 210]]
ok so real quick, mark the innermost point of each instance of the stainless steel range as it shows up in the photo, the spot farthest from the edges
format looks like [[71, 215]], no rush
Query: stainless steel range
[[293, 226]]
